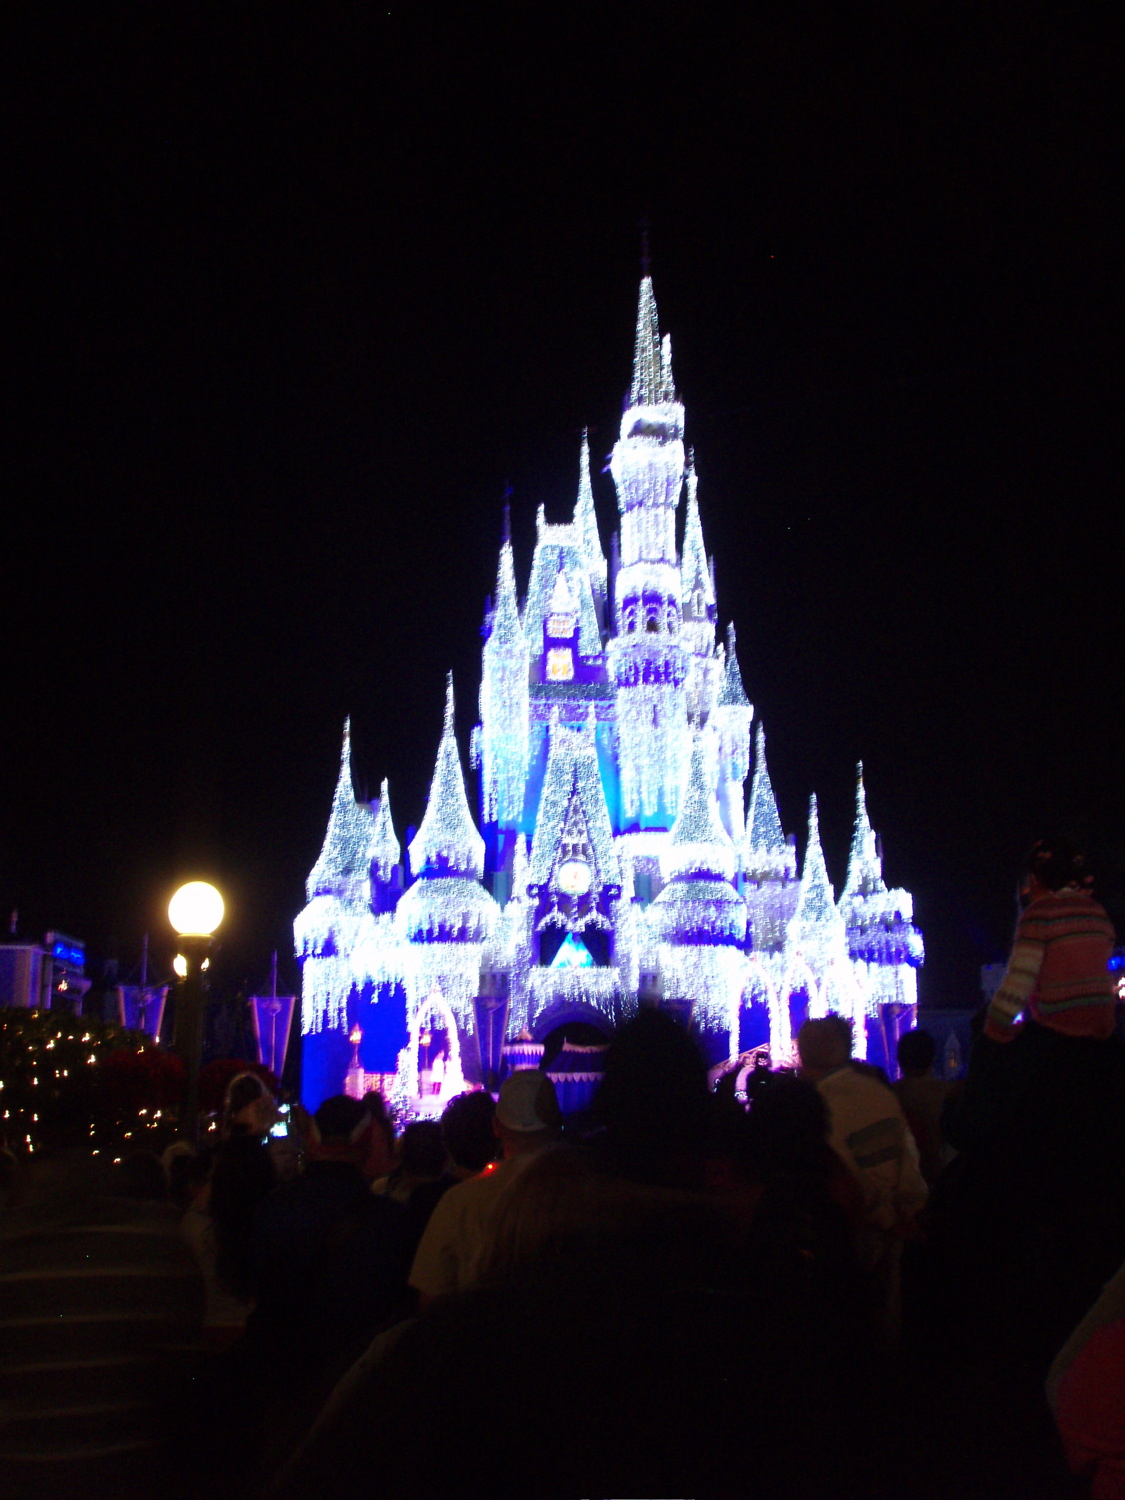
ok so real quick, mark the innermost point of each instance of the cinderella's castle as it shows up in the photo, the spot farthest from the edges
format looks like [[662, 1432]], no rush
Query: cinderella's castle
[[615, 861]]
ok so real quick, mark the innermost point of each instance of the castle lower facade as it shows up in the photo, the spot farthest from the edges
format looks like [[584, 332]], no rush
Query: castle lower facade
[[614, 859]]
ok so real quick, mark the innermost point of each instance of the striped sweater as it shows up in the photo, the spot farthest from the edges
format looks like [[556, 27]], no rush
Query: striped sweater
[[1059, 969]]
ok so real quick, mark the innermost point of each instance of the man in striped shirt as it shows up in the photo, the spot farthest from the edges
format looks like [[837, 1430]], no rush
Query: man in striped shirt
[[1058, 973]]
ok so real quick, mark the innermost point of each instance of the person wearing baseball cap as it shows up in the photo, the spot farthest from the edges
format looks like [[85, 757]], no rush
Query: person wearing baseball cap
[[458, 1235]]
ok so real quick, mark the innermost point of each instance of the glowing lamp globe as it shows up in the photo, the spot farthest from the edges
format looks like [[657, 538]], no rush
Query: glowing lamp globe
[[196, 909]]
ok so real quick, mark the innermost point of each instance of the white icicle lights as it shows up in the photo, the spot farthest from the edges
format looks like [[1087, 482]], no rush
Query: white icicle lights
[[616, 860]]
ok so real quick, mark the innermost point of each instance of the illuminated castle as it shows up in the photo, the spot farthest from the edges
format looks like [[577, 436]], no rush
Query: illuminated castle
[[615, 861]]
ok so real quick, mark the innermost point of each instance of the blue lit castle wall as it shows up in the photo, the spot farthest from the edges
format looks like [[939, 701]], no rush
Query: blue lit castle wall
[[616, 860]]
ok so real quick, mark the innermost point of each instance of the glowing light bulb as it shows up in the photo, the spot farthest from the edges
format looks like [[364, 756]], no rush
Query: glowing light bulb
[[196, 909]]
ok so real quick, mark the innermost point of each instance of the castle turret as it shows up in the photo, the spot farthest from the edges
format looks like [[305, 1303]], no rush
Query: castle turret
[[697, 589], [884, 946], [817, 928], [343, 867], [649, 660], [504, 704], [386, 853], [768, 861], [586, 527], [731, 717], [339, 904], [699, 917], [446, 915]]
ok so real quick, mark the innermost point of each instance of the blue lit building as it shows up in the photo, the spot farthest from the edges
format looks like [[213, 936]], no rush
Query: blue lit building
[[614, 860]]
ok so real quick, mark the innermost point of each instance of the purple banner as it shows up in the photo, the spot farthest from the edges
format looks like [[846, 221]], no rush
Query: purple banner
[[141, 1007], [273, 1015]]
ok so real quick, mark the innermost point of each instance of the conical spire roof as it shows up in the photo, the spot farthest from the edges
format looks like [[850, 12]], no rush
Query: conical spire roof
[[652, 359], [731, 692], [816, 900], [506, 627], [572, 777], [865, 868], [694, 571], [448, 841], [699, 844], [345, 857], [585, 517], [385, 848], [763, 826]]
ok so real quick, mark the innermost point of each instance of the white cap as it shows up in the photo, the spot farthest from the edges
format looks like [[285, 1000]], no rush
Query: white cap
[[528, 1102]]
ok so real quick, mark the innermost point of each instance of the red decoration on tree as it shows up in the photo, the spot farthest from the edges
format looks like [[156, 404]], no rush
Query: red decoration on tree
[[133, 1079]]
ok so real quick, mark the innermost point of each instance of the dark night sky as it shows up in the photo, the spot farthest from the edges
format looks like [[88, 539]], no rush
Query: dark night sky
[[295, 292]]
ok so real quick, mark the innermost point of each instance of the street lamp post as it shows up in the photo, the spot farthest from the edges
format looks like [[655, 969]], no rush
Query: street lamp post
[[194, 912]]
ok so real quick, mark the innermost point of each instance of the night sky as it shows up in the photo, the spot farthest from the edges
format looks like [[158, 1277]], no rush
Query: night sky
[[295, 293]]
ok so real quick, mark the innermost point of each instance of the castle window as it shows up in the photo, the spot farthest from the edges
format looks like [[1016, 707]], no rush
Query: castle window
[[630, 618], [560, 627], [652, 625], [560, 664]]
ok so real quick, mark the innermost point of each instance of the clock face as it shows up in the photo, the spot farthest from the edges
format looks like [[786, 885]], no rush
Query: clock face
[[574, 877]]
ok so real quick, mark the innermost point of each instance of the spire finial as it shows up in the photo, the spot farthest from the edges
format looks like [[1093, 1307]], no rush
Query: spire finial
[[645, 257], [448, 724], [647, 363], [506, 528]]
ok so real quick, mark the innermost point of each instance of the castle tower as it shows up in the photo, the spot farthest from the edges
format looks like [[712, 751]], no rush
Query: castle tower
[[768, 862], [698, 612], [699, 917], [648, 657], [339, 897], [446, 916], [586, 528], [504, 704], [884, 946], [817, 961], [731, 717], [386, 854]]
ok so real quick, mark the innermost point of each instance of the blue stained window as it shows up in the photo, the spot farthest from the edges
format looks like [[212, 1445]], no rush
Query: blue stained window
[[573, 954]]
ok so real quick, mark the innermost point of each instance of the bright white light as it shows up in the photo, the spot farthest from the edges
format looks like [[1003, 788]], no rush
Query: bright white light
[[179, 964], [196, 909]]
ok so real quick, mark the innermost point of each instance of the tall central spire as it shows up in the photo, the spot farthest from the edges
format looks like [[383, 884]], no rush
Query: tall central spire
[[646, 351], [652, 358]]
